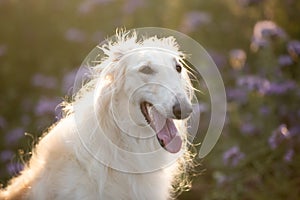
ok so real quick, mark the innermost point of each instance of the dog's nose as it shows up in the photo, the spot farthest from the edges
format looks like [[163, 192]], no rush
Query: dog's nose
[[181, 112]]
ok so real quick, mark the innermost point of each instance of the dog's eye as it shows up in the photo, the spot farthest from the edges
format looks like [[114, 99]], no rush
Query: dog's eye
[[178, 68], [146, 70]]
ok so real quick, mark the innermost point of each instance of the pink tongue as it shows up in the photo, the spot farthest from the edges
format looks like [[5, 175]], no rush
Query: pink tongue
[[166, 131]]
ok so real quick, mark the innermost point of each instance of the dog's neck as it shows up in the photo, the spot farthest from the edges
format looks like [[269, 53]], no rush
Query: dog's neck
[[132, 126], [104, 138]]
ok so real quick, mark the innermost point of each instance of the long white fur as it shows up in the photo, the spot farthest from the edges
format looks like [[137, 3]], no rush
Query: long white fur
[[61, 167]]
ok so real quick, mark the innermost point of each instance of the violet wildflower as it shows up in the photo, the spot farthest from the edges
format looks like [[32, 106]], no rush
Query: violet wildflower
[[14, 168], [40, 80], [46, 106], [233, 156], [248, 128], [236, 94], [237, 58], [264, 31], [254, 83], [295, 130], [75, 77], [193, 20], [14, 135], [264, 110], [131, 6], [281, 88], [294, 49], [278, 136], [285, 60], [218, 58], [75, 35], [87, 5], [288, 157], [6, 155], [68, 81]]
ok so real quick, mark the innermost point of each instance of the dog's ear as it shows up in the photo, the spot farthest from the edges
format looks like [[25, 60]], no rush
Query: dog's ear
[[112, 77]]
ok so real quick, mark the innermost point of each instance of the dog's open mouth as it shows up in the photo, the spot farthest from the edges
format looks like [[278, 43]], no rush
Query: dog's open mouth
[[166, 131]]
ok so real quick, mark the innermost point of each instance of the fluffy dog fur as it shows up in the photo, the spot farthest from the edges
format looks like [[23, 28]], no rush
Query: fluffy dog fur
[[78, 158]]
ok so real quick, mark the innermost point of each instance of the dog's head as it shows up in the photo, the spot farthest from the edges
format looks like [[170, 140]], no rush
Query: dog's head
[[156, 81], [152, 88]]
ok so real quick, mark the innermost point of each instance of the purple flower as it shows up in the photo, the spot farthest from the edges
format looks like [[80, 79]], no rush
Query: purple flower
[[14, 135], [218, 58], [248, 128], [278, 136], [14, 168], [75, 78], [75, 35], [285, 60], [87, 5], [281, 88], [233, 156], [264, 31], [193, 20], [236, 94], [294, 49], [237, 58], [264, 110], [131, 6], [40, 80], [295, 130], [68, 81], [288, 157], [254, 83], [46, 106], [6, 155]]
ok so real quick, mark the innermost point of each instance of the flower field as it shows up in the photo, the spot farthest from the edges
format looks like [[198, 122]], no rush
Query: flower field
[[254, 43]]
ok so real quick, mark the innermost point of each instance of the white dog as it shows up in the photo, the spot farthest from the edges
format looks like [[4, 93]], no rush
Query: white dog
[[124, 135]]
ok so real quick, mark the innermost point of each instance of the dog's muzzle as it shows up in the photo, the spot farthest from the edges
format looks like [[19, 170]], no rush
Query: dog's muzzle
[[182, 111]]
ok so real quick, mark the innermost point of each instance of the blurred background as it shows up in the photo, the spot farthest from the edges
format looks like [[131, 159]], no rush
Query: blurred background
[[255, 44]]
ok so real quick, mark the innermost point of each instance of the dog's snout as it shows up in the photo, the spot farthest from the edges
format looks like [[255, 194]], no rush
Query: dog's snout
[[177, 111], [181, 111]]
